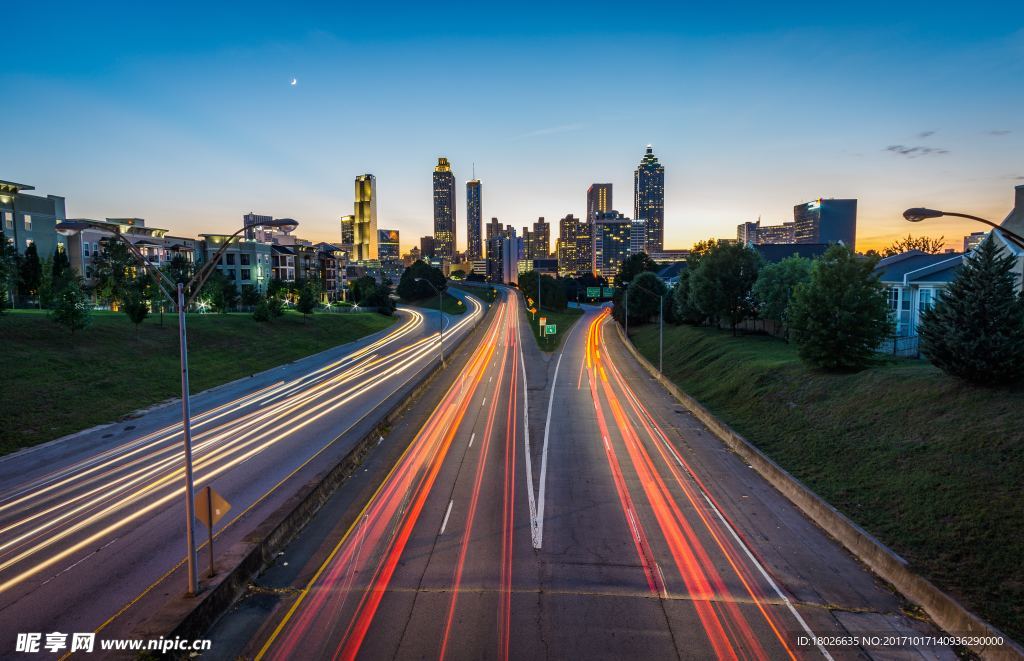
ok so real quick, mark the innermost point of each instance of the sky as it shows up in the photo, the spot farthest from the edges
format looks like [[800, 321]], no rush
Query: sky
[[184, 113]]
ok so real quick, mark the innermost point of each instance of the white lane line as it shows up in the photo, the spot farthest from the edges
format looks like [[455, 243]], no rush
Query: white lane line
[[472, 436], [489, 379], [444, 524], [664, 585], [483, 402]]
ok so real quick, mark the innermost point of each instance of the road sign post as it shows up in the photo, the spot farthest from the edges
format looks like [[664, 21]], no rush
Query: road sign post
[[550, 329], [210, 507]]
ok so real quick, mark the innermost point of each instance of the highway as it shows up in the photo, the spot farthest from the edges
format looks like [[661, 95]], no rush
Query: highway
[[566, 507], [92, 527]]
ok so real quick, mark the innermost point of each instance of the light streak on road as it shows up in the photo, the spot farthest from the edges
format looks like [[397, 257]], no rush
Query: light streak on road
[[324, 622], [74, 509], [682, 522]]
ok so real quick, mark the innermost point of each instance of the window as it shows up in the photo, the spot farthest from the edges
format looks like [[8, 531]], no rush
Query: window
[[9, 220], [243, 260], [85, 249], [229, 259], [925, 300], [28, 223], [246, 274]]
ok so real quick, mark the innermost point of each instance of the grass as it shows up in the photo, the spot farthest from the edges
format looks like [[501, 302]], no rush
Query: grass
[[562, 320], [54, 383], [451, 304], [932, 466]]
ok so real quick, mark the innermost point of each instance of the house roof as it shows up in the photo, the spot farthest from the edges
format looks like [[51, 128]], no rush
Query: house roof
[[281, 250], [776, 252], [916, 266], [671, 271]]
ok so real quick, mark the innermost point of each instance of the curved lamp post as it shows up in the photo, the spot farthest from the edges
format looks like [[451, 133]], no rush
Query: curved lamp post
[[440, 314], [917, 214], [72, 227]]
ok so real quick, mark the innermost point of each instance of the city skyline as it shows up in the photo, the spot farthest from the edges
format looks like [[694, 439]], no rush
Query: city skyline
[[758, 110]]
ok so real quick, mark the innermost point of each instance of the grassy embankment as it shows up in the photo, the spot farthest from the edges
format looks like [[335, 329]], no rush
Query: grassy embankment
[[930, 465], [54, 383], [451, 304], [563, 322]]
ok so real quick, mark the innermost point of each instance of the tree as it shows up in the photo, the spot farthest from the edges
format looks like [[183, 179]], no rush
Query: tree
[[839, 317], [8, 268], [643, 293], [30, 272], [71, 308], [776, 284], [552, 292], [112, 271], [250, 296], [262, 311], [135, 304], [275, 305], [409, 289], [922, 243], [633, 266], [308, 297], [684, 308], [976, 329], [179, 269], [373, 295], [720, 285]]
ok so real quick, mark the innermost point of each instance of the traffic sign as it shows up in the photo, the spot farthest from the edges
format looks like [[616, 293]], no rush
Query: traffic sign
[[543, 321], [550, 329], [208, 501], [609, 292], [593, 292]]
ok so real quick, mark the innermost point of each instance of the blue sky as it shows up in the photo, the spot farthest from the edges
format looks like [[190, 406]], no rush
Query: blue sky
[[184, 114]]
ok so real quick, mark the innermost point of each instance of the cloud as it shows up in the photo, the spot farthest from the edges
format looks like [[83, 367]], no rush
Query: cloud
[[999, 132], [925, 134], [914, 152], [551, 130]]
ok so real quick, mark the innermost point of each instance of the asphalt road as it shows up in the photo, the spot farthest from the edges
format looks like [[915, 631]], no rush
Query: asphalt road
[[92, 527], [562, 507]]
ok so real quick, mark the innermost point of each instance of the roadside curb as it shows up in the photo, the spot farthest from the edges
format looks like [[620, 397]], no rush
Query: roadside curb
[[949, 614], [189, 619]]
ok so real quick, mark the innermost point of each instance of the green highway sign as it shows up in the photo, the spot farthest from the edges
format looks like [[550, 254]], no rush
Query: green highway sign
[[609, 292], [593, 292], [550, 329]]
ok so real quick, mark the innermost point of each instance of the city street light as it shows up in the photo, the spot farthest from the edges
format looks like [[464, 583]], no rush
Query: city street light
[[440, 314], [72, 227], [661, 322], [917, 214]]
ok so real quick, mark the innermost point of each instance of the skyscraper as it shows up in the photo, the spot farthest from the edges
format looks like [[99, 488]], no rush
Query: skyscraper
[[599, 200], [568, 230], [649, 199], [540, 247], [444, 210], [364, 225], [474, 220], [611, 243], [637, 236], [348, 233], [826, 221]]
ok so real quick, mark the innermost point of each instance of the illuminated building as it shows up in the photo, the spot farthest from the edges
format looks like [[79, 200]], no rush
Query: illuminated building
[[637, 236], [611, 242], [826, 221], [599, 200], [444, 211], [540, 245], [348, 232], [973, 240], [649, 199], [474, 220], [253, 230], [750, 234], [387, 245], [427, 248], [30, 219], [155, 244], [364, 225], [568, 229], [246, 263]]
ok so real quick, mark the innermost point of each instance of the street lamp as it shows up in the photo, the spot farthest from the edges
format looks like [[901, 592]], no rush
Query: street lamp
[[440, 314], [661, 322], [72, 227], [917, 214]]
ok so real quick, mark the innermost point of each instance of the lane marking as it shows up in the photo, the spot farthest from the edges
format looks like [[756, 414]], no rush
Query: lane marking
[[444, 524], [483, 402], [471, 439]]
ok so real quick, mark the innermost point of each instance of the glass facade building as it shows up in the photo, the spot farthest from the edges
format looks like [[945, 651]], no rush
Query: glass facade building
[[474, 220], [826, 221], [364, 226], [649, 199], [444, 210], [599, 200]]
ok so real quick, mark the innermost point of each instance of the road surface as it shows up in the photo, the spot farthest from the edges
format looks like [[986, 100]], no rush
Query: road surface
[[92, 527], [566, 507]]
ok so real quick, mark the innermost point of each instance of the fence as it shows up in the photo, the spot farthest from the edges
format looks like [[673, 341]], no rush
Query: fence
[[907, 346]]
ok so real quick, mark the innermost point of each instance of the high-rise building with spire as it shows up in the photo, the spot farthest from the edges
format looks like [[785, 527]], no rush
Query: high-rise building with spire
[[474, 220], [599, 200], [649, 199], [364, 223], [444, 210]]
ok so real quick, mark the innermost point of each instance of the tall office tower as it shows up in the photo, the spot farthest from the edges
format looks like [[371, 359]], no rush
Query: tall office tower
[[348, 233], [826, 221], [611, 238], [540, 247], [253, 231], [474, 220], [427, 248], [527, 237], [387, 245], [649, 199], [637, 236], [746, 233], [599, 200], [568, 230], [584, 247], [444, 210], [364, 226]]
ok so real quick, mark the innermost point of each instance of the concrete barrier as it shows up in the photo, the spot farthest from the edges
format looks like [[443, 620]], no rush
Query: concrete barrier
[[943, 609], [191, 618]]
